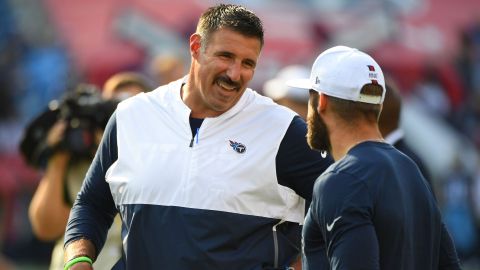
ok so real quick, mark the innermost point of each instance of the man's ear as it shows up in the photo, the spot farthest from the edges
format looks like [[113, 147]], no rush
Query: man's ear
[[195, 44], [322, 102]]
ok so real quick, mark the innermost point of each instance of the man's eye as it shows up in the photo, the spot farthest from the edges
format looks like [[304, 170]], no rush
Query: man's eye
[[225, 56], [249, 64]]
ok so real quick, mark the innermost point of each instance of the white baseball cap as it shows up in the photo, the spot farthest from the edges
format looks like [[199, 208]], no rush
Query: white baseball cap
[[342, 72], [276, 88]]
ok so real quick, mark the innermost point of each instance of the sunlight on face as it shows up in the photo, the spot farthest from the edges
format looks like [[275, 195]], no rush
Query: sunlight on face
[[225, 68]]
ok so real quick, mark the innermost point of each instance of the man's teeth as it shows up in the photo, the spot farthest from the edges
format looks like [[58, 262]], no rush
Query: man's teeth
[[226, 86]]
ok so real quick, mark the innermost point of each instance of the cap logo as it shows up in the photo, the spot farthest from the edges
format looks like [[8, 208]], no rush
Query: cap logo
[[317, 80], [372, 75]]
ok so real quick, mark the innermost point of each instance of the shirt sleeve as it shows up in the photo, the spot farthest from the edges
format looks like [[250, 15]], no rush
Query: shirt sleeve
[[298, 166], [94, 209], [314, 251], [342, 209]]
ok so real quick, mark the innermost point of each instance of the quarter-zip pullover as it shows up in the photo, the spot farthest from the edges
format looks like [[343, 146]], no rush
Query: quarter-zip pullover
[[212, 204]]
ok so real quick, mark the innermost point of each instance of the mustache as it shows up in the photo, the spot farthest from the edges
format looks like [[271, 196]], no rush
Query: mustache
[[226, 80]]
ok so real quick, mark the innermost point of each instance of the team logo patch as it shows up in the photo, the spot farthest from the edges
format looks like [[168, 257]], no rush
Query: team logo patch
[[238, 147], [372, 74]]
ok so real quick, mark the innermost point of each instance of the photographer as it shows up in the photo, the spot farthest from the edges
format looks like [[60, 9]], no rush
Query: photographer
[[68, 149]]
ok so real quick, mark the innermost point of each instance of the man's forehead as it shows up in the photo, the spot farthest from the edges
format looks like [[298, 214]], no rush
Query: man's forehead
[[236, 41]]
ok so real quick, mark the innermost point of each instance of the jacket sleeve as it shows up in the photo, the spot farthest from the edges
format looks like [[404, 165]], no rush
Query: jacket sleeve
[[94, 209], [448, 255], [298, 166]]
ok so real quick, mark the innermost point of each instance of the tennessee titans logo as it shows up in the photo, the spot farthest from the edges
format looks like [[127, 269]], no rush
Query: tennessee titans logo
[[238, 147]]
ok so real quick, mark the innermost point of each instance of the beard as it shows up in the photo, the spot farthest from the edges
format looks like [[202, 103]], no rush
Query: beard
[[317, 134]]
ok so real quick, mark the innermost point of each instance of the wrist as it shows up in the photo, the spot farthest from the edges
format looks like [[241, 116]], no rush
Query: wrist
[[81, 266], [77, 261]]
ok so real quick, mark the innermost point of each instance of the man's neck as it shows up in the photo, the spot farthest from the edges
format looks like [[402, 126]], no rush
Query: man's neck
[[346, 138], [196, 108]]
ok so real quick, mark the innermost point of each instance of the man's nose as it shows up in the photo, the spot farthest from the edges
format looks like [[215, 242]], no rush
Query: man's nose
[[234, 71]]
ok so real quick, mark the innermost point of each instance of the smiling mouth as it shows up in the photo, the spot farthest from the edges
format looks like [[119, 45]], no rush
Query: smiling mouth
[[227, 86]]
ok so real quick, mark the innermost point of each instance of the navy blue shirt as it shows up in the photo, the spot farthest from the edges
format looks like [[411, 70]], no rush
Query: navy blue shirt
[[374, 210], [187, 240]]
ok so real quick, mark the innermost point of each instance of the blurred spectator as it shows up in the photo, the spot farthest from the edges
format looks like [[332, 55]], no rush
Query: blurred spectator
[[167, 68], [68, 161], [432, 94], [293, 98], [476, 206], [17, 242], [465, 61], [457, 209], [476, 195], [6, 264], [125, 84], [389, 124], [468, 66], [468, 60], [19, 247]]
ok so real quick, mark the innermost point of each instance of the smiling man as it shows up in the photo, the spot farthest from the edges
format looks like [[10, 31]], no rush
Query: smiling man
[[204, 172]]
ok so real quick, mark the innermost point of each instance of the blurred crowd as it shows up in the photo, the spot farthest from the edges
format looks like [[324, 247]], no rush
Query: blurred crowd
[[37, 66]]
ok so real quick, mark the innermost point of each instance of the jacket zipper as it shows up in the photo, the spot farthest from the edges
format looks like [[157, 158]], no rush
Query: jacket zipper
[[275, 243], [193, 137]]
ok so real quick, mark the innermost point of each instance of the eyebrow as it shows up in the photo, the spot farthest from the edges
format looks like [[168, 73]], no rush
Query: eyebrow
[[247, 60]]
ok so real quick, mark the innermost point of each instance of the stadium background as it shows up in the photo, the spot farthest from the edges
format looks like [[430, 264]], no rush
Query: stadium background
[[430, 47]]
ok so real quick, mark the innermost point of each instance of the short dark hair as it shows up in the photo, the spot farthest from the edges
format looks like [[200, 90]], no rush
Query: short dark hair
[[350, 110], [123, 79], [233, 17]]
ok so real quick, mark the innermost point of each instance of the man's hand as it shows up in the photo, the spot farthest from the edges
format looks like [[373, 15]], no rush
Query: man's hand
[[56, 133]]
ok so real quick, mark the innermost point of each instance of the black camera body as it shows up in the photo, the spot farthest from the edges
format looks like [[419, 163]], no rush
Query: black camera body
[[85, 113]]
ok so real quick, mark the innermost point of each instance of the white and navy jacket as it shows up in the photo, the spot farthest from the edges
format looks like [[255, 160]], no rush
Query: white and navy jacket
[[208, 202]]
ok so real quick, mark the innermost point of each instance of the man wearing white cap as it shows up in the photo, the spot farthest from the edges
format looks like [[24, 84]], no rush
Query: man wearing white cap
[[372, 208]]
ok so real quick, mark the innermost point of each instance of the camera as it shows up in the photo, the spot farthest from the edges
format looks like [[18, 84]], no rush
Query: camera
[[85, 113]]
